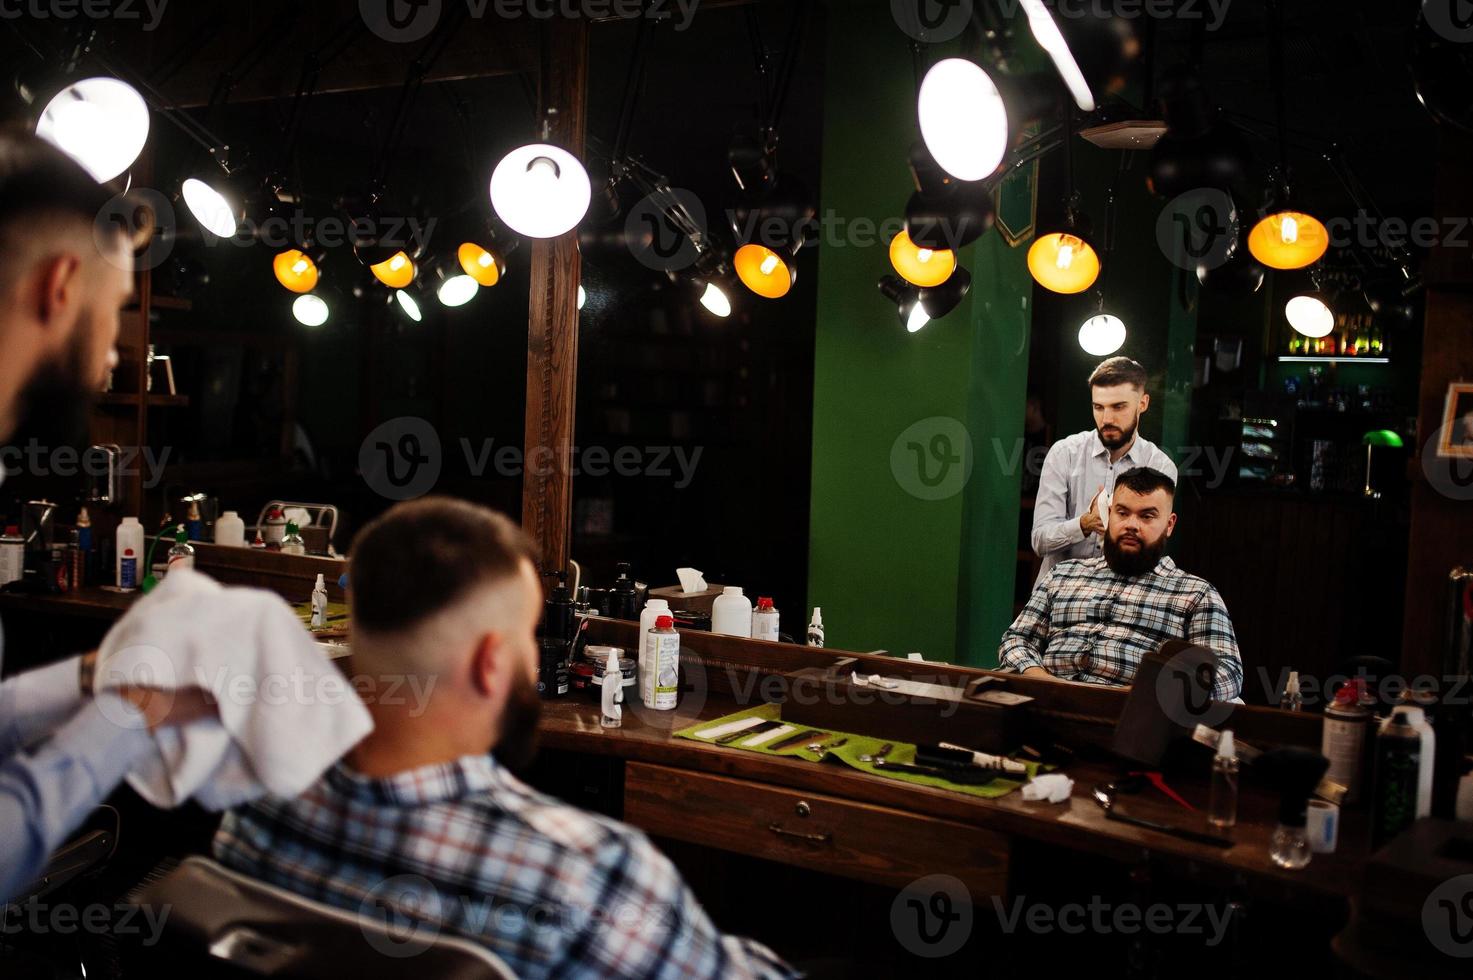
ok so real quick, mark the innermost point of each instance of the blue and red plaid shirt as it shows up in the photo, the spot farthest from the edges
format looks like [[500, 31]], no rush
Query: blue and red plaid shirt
[[467, 849], [1087, 622]]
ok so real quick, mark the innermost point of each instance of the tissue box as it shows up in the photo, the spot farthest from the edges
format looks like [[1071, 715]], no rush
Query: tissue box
[[694, 601]]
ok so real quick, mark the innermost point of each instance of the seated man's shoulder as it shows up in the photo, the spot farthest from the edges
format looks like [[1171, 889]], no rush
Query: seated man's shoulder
[[578, 834], [1184, 581]]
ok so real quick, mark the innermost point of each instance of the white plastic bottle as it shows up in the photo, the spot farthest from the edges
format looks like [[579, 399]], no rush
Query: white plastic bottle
[[815, 628], [611, 694], [731, 614], [319, 603], [659, 667], [129, 539], [1418, 720], [230, 530], [765, 621], [653, 610]]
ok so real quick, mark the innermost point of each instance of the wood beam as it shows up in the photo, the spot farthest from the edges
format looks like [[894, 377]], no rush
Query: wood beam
[[552, 328]]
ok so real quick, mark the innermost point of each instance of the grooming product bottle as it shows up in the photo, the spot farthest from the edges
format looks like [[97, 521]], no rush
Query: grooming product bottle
[[182, 554], [230, 530], [193, 523], [84, 543], [129, 552], [275, 528], [1294, 772], [765, 621], [731, 614], [612, 713], [1222, 806], [1292, 699], [319, 603], [659, 666], [1343, 741], [815, 628], [621, 597], [1395, 802], [12, 556], [653, 610], [293, 543]]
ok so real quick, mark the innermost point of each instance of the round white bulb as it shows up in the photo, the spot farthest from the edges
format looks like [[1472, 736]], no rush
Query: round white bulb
[[918, 318], [716, 301], [210, 208], [1102, 335], [541, 191], [1310, 316], [102, 123], [310, 310], [963, 119], [458, 290], [582, 297], [408, 304]]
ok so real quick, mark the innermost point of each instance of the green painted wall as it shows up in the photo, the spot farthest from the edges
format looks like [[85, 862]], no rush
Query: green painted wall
[[895, 563]]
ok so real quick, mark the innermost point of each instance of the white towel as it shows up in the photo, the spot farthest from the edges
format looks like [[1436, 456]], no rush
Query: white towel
[[285, 712]]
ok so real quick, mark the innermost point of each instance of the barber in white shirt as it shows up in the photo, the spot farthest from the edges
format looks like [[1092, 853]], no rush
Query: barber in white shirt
[[1082, 468]]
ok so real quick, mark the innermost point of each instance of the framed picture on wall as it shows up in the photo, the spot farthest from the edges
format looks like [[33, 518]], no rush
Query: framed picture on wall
[[1457, 422]]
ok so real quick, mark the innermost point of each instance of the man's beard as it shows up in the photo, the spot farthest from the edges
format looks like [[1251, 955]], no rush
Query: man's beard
[[1114, 441], [1134, 563], [55, 406], [517, 746]]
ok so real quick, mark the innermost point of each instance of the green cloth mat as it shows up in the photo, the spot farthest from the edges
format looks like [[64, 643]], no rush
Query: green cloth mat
[[337, 614], [849, 753]]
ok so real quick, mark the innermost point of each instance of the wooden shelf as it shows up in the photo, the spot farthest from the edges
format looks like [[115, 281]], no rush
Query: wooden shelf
[[170, 303], [130, 399]]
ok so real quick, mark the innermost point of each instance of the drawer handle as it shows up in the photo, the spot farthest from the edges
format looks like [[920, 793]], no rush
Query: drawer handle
[[778, 829]]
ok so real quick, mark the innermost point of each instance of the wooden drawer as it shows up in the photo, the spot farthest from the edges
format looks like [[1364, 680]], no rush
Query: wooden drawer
[[824, 833]]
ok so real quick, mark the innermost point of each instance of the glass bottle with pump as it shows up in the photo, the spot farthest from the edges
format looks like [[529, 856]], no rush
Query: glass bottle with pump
[[1222, 806], [182, 554]]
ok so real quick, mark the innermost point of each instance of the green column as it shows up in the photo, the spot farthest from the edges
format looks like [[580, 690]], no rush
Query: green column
[[913, 518]]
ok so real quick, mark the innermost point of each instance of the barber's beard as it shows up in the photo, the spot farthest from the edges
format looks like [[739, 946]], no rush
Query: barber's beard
[[55, 405], [1119, 438], [517, 746], [1134, 563]]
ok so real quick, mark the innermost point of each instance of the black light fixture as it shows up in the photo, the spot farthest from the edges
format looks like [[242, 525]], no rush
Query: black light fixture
[[918, 306], [945, 213], [1200, 149]]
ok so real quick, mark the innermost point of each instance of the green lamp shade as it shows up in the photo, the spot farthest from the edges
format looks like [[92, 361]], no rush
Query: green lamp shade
[[1382, 437]]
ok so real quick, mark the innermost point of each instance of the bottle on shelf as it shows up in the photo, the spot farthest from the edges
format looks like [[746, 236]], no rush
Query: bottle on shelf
[[293, 543], [182, 554]]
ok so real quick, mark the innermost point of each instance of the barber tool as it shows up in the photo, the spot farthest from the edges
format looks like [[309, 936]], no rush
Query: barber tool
[[762, 729], [1105, 797], [797, 739], [879, 755], [820, 748], [984, 759], [963, 776], [731, 728], [1135, 781]]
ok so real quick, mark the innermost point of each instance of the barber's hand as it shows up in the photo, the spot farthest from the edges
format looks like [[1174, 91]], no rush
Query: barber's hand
[[1089, 521], [160, 707]]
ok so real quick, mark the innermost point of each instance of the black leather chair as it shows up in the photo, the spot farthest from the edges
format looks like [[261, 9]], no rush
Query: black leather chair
[[223, 924]]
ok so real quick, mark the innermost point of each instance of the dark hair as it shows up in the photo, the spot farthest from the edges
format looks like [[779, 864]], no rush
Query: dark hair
[[40, 183], [1145, 481], [422, 557], [1119, 371]]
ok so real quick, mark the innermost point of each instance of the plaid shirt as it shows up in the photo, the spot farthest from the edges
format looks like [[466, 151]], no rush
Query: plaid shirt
[[1086, 622], [467, 849]]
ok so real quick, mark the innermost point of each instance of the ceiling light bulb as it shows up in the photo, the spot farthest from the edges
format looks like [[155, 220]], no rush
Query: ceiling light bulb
[[1309, 315], [102, 123], [582, 297], [1102, 335], [763, 271], [1063, 263], [409, 305], [396, 272], [925, 255], [921, 266], [480, 263], [310, 310], [541, 191], [769, 265], [210, 208], [1066, 255], [963, 119], [1289, 230], [300, 266], [1288, 240], [295, 271], [918, 318], [716, 301], [458, 291]]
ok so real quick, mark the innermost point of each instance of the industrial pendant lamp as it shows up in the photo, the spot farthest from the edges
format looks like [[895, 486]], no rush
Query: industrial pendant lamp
[[771, 230], [943, 216], [1311, 314], [1102, 335], [102, 123], [921, 266], [541, 191], [310, 310], [296, 270], [1285, 237], [215, 204], [483, 258], [918, 306], [970, 118], [454, 288], [396, 272], [1063, 260]]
